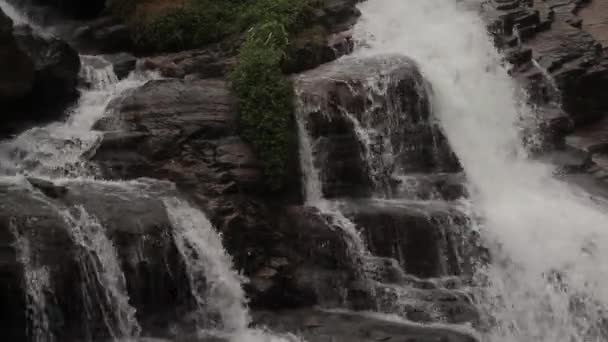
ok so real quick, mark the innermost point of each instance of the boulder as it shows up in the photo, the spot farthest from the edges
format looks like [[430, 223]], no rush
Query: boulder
[[343, 326], [40, 76], [369, 118], [56, 66], [106, 35], [40, 239], [122, 62], [17, 70]]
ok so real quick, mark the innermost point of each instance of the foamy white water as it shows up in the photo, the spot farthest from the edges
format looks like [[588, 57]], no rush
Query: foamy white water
[[10, 10], [56, 150], [213, 282], [549, 277], [313, 188], [37, 285], [215, 285], [100, 264]]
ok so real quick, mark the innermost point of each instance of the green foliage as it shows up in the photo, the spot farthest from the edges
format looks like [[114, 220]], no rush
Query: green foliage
[[265, 99], [200, 22], [264, 94]]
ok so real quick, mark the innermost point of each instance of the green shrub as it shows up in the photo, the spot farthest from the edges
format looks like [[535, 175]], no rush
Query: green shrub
[[264, 94], [265, 99]]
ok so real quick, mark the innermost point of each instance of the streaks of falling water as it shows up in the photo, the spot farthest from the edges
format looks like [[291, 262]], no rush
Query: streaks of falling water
[[104, 281], [214, 284], [37, 285], [56, 150], [313, 188], [548, 281], [13, 13]]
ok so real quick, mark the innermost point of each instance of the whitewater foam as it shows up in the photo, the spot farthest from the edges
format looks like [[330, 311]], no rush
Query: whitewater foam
[[549, 275]]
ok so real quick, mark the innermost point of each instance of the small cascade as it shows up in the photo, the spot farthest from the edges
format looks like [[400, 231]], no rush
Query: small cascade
[[376, 166], [37, 284], [56, 150], [214, 284], [104, 285], [313, 188], [547, 277]]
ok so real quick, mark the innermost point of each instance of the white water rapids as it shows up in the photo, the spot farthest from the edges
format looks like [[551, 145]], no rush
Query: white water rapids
[[548, 281]]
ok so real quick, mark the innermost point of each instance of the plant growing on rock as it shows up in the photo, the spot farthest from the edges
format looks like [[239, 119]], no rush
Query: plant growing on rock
[[265, 98]]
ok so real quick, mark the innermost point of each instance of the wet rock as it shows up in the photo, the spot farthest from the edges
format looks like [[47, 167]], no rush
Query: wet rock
[[56, 65], [104, 35], [40, 77], [212, 61], [123, 63], [325, 326], [428, 239], [39, 236], [564, 56], [48, 188], [17, 76], [357, 110]]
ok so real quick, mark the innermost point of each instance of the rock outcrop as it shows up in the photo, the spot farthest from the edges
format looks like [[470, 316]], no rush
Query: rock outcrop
[[39, 76], [42, 223], [184, 130], [556, 48], [372, 120]]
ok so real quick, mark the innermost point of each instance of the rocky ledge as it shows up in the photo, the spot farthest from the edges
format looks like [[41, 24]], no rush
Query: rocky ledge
[[557, 51]]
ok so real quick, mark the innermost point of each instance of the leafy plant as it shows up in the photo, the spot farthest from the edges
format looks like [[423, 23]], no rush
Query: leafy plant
[[265, 99]]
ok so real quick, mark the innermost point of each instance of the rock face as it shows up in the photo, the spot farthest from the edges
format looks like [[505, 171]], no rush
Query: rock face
[[556, 50], [184, 130], [371, 119], [324, 326], [41, 238], [17, 77], [40, 75]]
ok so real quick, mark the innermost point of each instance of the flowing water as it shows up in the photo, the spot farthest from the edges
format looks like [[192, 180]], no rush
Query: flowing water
[[57, 149], [548, 279], [104, 281], [37, 283]]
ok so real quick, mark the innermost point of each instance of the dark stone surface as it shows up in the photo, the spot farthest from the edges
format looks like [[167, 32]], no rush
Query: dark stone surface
[[325, 326], [122, 62], [136, 224], [354, 124], [39, 76]]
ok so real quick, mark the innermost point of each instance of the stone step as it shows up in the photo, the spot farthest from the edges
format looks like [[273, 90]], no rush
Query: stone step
[[428, 238], [433, 186]]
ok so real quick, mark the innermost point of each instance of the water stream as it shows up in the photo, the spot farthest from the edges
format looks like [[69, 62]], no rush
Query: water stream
[[548, 278]]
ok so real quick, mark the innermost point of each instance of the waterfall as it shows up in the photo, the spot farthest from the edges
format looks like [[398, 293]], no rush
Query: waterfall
[[100, 267], [214, 284], [313, 188], [548, 277], [37, 284], [56, 150]]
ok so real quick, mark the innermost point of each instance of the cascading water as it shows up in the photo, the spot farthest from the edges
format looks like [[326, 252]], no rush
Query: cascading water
[[56, 150], [215, 285], [547, 281], [37, 285], [104, 285]]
